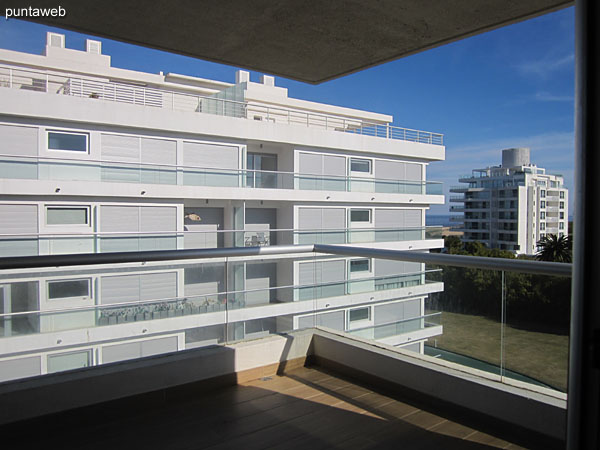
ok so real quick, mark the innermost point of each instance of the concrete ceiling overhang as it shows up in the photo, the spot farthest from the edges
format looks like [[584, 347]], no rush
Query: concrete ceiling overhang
[[311, 41]]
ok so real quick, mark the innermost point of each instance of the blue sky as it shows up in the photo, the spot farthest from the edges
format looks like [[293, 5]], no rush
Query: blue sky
[[512, 87]]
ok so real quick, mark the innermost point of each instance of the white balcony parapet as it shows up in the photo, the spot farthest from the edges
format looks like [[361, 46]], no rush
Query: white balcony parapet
[[97, 90]]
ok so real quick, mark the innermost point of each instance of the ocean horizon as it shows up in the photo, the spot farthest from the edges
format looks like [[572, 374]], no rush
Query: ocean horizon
[[437, 219]]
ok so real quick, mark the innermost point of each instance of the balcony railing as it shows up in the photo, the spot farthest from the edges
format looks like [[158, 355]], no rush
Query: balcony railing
[[463, 188], [489, 321], [96, 90], [399, 328], [208, 307], [27, 244], [47, 168]]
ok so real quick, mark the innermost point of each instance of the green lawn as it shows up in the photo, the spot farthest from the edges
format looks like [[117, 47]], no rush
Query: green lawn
[[542, 356]]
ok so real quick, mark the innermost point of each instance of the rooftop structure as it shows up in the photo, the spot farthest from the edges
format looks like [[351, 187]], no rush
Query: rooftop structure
[[512, 206]]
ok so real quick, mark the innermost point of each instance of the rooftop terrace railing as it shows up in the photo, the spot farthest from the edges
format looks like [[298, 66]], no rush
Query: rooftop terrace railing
[[98, 90], [90, 170]]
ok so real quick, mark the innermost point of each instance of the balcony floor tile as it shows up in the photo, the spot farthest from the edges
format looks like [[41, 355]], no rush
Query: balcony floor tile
[[305, 408]]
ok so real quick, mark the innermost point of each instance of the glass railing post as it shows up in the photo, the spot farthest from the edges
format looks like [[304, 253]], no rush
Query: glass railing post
[[502, 325], [228, 286]]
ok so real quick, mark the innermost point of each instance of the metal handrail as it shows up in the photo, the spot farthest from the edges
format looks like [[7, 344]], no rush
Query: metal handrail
[[476, 262]]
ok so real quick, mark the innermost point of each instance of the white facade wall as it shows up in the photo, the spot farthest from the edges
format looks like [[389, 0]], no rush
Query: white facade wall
[[151, 172]]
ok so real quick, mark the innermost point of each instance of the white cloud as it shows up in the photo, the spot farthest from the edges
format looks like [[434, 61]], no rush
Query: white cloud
[[545, 67], [548, 97]]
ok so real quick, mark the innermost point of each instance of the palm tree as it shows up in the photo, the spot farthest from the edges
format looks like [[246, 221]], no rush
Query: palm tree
[[554, 248]]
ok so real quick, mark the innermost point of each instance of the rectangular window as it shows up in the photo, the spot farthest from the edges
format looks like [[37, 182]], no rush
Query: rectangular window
[[542, 204], [64, 215], [562, 205], [542, 214], [360, 215], [542, 235], [71, 142], [542, 194], [69, 289], [360, 165], [561, 215], [562, 194], [359, 314], [542, 226], [561, 234], [561, 225], [359, 265]]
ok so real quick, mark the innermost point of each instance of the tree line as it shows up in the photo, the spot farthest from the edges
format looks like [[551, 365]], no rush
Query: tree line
[[534, 302]]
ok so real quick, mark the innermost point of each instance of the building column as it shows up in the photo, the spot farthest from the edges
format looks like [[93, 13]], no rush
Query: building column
[[584, 364]]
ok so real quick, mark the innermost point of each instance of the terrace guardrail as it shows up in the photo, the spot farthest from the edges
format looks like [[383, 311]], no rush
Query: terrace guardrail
[[482, 304], [99, 90]]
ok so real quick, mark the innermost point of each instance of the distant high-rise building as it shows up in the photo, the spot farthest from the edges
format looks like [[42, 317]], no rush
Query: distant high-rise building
[[511, 206]]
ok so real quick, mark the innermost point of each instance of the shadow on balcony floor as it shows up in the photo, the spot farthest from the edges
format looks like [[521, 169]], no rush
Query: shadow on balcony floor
[[307, 408]]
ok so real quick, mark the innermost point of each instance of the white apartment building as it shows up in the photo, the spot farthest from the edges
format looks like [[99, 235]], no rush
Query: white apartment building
[[95, 158], [511, 206]]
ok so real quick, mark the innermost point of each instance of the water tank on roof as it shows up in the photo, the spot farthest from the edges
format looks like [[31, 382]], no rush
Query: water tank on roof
[[513, 157]]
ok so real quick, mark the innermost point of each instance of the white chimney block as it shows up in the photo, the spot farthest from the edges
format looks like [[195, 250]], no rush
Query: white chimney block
[[242, 76], [267, 80], [55, 40], [94, 47]]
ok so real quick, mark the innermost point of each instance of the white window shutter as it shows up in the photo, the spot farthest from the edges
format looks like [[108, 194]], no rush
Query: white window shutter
[[159, 151], [18, 219], [19, 141], [158, 218], [120, 148], [310, 163], [119, 289], [119, 218], [214, 156]]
